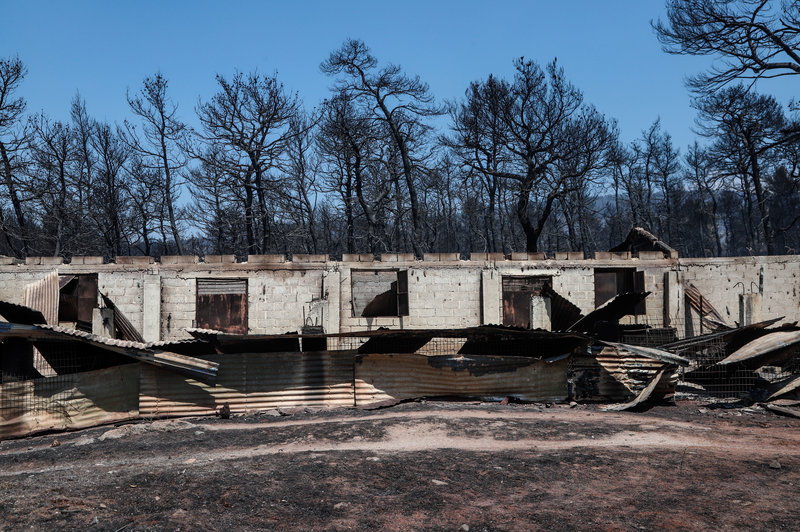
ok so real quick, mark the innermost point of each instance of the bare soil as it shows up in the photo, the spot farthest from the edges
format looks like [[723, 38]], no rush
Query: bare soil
[[432, 466]]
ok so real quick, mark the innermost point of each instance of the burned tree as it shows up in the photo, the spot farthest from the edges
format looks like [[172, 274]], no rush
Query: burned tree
[[541, 137], [159, 144], [246, 126], [396, 101], [13, 141], [750, 39]]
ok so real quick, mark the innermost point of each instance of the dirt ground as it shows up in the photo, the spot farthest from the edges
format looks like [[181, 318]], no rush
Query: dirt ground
[[425, 465]]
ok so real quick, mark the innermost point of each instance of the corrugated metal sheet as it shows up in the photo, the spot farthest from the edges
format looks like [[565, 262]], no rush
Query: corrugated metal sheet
[[186, 365], [67, 402], [383, 377], [253, 381], [43, 295], [615, 374], [769, 349]]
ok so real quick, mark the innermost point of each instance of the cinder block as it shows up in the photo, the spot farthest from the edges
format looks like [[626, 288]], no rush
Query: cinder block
[[651, 255], [131, 259], [602, 255], [438, 257], [270, 258], [620, 255], [480, 255], [306, 257], [219, 259], [358, 257], [87, 259], [179, 259], [397, 257], [569, 255], [5, 261], [528, 255]]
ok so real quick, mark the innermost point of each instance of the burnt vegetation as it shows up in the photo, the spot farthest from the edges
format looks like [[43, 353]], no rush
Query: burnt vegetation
[[524, 163]]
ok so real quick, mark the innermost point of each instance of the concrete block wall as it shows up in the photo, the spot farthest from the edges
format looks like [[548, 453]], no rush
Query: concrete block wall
[[439, 296], [722, 280], [159, 299], [281, 299], [126, 290]]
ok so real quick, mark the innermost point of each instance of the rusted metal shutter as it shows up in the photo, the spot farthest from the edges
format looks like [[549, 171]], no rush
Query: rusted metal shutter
[[222, 305], [517, 292]]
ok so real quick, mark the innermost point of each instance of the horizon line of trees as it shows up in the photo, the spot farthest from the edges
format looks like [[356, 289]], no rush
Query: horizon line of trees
[[525, 163]]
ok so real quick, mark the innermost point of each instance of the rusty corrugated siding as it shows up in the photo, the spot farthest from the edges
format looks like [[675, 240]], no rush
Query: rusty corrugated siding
[[68, 402], [382, 377], [253, 381], [614, 374], [42, 295]]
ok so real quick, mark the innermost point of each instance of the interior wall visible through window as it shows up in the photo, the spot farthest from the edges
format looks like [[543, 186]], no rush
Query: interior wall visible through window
[[77, 300], [379, 293], [517, 293], [610, 282]]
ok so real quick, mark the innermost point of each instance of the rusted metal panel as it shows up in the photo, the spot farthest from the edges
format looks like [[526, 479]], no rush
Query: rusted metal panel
[[382, 377], [43, 296], [251, 382], [222, 305], [517, 293], [68, 402]]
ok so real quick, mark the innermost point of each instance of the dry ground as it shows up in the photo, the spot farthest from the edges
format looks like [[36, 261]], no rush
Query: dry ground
[[433, 466]]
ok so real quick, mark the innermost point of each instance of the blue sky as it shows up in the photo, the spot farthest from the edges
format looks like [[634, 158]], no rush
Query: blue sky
[[101, 49]]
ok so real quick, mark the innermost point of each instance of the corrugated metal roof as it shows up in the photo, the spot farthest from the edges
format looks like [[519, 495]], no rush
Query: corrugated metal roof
[[191, 366]]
